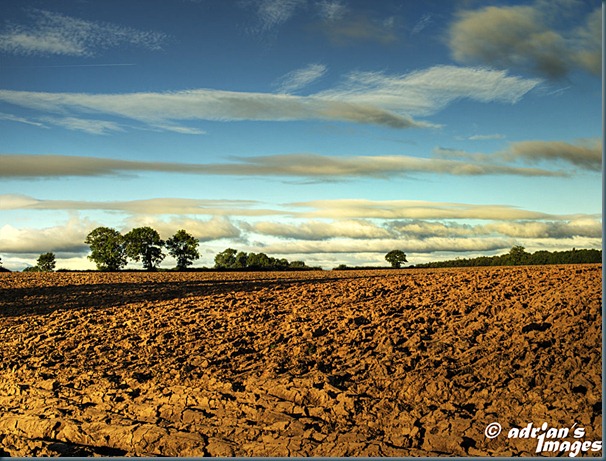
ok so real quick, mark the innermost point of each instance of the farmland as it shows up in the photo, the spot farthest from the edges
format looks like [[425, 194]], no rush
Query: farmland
[[317, 363]]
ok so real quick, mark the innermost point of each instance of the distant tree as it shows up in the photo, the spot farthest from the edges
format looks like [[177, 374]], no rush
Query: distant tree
[[258, 261], [517, 255], [240, 261], [108, 249], [184, 248], [144, 243], [31, 269], [226, 259], [297, 265], [396, 258], [46, 262]]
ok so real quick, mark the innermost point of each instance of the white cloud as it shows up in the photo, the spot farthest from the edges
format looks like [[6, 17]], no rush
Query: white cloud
[[156, 206], [320, 230], [216, 228], [68, 238], [414, 209], [57, 34], [300, 78]]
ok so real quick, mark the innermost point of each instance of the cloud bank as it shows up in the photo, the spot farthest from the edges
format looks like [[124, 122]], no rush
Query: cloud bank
[[306, 166], [317, 228]]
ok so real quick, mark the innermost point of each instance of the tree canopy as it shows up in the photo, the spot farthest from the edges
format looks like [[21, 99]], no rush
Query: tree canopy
[[46, 262], [233, 259], [184, 248], [396, 258], [108, 249], [144, 243]]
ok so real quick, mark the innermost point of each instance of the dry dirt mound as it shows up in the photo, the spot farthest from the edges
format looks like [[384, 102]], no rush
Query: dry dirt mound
[[389, 363]]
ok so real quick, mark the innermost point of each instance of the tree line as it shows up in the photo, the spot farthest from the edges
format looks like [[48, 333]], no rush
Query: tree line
[[111, 251], [233, 259], [518, 255]]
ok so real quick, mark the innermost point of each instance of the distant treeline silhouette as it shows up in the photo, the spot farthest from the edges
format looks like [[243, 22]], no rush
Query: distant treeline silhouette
[[230, 259], [518, 256]]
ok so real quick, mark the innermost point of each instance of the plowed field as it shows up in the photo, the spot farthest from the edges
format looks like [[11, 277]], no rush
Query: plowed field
[[369, 363]]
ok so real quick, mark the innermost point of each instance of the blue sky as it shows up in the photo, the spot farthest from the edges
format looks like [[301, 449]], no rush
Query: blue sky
[[331, 131]]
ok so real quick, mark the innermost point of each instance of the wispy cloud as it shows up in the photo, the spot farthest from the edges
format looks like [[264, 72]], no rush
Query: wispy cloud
[[165, 109], [56, 34], [421, 24], [486, 137], [308, 166], [427, 91], [332, 10], [364, 97], [271, 14], [300, 78], [14, 118], [85, 125], [520, 37]]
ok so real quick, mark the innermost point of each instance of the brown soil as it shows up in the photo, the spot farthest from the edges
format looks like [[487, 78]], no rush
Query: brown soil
[[383, 363]]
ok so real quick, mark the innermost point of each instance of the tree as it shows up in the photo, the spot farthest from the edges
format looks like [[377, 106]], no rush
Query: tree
[[184, 248], [240, 261], [517, 255], [46, 262], [108, 249], [144, 243], [258, 261], [226, 259], [396, 258]]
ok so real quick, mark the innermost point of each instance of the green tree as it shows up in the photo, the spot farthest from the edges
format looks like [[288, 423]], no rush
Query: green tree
[[108, 249], [396, 258], [241, 259], [297, 264], [184, 248], [144, 243], [517, 255], [258, 261], [226, 259], [46, 262]]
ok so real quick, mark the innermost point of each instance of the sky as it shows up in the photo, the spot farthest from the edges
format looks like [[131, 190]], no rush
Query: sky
[[328, 131]]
